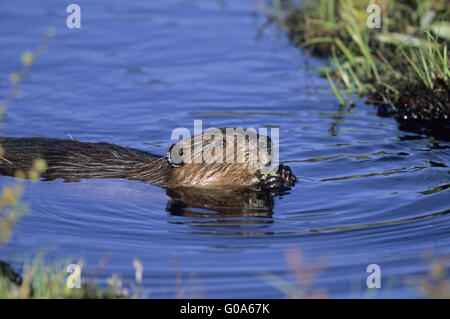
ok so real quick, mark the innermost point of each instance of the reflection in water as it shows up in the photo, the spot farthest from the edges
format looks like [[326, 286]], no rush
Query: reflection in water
[[371, 225], [436, 189], [357, 157], [386, 173], [337, 120], [220, 208], [219, 202]]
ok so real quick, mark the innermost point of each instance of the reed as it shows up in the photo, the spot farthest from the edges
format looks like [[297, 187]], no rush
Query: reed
[[402, 65]]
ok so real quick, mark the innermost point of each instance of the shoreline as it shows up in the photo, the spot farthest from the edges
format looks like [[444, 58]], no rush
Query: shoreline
[[401, 67]]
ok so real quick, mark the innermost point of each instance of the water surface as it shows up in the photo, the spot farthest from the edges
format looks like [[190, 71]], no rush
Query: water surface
[[367, 192]]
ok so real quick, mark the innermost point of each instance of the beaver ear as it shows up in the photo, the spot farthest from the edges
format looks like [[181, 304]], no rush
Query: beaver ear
[[168, 157]]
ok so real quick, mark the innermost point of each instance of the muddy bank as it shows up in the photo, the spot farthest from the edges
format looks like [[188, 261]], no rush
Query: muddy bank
[[417, 109]]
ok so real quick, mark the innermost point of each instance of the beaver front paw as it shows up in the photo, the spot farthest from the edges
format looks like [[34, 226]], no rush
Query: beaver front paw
[[282, 180], [285, 173]]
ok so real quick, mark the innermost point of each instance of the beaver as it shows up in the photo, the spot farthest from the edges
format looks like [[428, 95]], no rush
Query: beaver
[[73, 160]]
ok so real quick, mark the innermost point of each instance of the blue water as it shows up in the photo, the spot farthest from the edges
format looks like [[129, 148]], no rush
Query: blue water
[[367, 192]]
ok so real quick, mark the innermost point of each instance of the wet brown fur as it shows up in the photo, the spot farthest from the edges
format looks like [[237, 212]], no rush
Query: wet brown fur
[[73, 160]]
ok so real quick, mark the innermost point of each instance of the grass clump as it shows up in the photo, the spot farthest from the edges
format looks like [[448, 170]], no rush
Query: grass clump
[[401, 64], [42, 281]]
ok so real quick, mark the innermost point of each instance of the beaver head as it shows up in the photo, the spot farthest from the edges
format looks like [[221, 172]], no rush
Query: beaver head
[[226, 157]]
